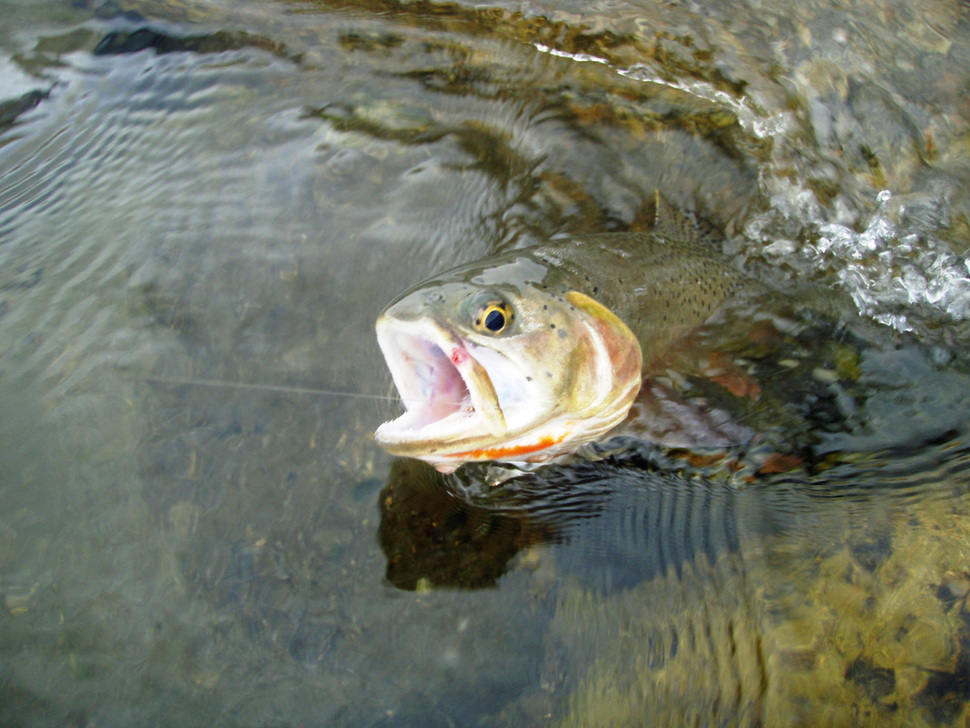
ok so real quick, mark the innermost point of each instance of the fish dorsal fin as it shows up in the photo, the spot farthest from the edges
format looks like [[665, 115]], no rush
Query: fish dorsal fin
[[672, 224]]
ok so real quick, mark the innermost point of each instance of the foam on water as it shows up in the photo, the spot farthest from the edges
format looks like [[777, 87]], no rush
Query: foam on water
[[894, 265]]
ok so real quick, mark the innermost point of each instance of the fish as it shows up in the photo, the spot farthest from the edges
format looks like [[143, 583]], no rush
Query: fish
[[526, 356]]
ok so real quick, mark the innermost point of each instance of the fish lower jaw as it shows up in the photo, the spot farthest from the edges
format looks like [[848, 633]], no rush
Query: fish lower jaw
[[415, 433], [463, 436], [551, 441], [415, 427]]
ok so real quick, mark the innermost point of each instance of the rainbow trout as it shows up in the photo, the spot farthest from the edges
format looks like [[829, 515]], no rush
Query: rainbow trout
[[524, 357]]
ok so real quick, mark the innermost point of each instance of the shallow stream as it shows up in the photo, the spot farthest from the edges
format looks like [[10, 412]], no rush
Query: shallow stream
[[205, 205]]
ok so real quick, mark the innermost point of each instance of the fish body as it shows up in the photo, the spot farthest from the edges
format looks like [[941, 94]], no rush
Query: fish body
[[526, 356]]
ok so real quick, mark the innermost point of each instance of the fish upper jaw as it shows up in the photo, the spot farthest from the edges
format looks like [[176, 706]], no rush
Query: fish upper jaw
[[447, 391]]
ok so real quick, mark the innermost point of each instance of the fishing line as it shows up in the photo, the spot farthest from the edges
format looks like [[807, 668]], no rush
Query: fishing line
[[226, 384]]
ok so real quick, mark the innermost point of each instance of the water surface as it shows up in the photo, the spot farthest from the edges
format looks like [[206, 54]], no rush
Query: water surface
[[231, 192]]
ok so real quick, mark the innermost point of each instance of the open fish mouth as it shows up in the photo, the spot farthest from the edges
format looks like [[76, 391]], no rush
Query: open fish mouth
[[447, 392]]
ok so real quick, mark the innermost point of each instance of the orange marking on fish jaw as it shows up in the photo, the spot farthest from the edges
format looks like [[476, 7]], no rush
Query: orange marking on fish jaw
[[510, 451]]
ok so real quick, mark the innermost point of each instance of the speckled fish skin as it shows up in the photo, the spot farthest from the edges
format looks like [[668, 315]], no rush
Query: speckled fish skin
[[582, 320]]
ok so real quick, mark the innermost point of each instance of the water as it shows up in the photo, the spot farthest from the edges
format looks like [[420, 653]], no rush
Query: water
[[232, 191]]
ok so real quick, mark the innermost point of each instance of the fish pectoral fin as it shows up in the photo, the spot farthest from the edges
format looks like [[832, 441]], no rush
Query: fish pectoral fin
[[662, 415]]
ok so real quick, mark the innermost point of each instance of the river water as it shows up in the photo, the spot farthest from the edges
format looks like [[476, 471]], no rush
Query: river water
[[205, 205]]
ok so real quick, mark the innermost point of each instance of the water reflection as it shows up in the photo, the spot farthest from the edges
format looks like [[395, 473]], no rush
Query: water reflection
[[646, 523], [432, 537]]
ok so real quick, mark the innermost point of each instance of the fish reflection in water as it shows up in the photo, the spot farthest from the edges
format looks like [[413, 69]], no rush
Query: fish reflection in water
[[615, 522]]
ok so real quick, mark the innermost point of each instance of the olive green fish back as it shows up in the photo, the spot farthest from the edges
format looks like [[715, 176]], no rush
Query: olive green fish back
[[661, 283]]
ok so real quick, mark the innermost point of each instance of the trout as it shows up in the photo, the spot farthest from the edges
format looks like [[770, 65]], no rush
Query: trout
[[527, 356]]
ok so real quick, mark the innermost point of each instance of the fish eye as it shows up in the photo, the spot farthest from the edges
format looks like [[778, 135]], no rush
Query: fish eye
[[493, 317]]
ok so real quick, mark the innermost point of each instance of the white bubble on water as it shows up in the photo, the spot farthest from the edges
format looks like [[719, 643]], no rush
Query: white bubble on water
[[896, 269]]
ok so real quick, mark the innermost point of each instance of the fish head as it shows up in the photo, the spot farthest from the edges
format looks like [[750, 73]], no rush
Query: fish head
[[498, 365]]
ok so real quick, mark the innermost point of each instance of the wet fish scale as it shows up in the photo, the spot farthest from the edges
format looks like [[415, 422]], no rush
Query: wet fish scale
[[658, 285]]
